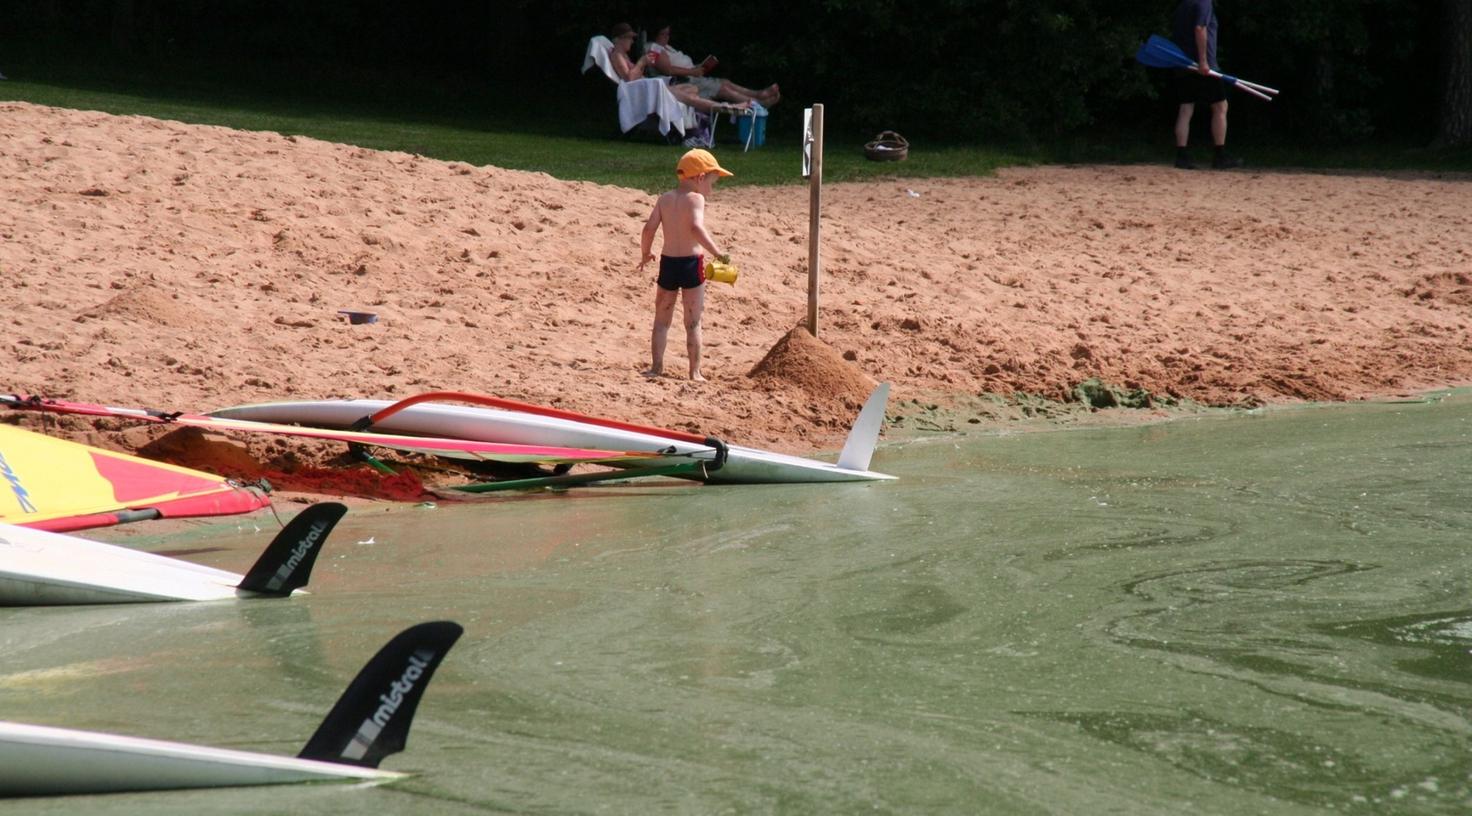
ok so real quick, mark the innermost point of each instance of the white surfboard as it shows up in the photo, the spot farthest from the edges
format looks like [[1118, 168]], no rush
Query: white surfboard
[[737, 464], [38, 568], [369, 722]]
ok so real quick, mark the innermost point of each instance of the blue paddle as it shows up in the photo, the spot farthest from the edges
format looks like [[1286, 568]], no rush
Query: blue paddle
[[1158, 52]]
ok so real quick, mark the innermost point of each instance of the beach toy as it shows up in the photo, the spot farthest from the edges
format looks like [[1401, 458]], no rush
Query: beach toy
[[720, 272], [359, 318]]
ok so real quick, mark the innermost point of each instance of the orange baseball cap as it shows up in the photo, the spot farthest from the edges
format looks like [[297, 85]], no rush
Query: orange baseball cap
[[698, 162]]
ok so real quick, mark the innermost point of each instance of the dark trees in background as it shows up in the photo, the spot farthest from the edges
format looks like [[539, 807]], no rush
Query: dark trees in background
[[1454, 125], [1350, 70], [124, 24]]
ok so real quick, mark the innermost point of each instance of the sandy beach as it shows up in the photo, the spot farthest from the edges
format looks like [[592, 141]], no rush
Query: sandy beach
[[156, 264]]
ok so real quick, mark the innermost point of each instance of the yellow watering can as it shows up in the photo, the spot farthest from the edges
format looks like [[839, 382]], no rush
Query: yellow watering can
[[720, 272]]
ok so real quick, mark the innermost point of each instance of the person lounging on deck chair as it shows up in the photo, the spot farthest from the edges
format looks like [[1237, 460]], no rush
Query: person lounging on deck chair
[[640, 100]]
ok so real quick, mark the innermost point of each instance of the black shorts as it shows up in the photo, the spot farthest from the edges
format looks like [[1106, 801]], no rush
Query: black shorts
[[1190, 88], [686, 272]]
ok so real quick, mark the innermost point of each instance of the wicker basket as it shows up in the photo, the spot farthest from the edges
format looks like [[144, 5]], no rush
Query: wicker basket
[[887, 146]]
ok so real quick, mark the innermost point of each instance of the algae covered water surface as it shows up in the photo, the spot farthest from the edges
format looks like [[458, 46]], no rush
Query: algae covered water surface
[[1259, 614]]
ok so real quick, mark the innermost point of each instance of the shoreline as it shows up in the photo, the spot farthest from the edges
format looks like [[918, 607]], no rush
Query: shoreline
[[940, 424]]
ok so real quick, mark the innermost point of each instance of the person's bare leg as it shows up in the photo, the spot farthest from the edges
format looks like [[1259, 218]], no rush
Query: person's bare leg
[[664, 313], [738, 93], [1220, 159], [1219, 123], [688, 95], [693, 306], [1183, 124]]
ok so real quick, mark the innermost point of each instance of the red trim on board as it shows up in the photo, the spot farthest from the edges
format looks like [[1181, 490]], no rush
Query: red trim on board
[[527, 408], [23, 402]]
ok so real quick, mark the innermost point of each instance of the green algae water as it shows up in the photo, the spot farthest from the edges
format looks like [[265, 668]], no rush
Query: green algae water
[[1266, 613]]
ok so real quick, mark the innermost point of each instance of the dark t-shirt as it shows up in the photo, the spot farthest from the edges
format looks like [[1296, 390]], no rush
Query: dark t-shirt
[[1189, 14]]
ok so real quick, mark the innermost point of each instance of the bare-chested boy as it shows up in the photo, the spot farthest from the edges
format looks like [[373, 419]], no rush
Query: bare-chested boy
[[681, 212]]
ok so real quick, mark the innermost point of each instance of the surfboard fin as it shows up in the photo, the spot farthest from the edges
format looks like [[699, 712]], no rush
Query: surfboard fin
[[858, 449], [287, 562], [371, 719]]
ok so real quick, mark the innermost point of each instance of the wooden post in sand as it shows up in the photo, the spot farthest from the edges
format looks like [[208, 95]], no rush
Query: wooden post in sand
[[813, 169]]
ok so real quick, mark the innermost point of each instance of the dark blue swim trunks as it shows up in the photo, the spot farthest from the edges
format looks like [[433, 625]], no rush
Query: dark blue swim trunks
[[686, 272]]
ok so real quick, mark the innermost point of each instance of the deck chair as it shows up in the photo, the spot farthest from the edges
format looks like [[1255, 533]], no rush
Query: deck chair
[[642, 99]]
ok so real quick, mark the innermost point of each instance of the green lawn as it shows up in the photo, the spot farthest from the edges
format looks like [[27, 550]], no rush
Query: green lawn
[[579, 140], [525, 143]]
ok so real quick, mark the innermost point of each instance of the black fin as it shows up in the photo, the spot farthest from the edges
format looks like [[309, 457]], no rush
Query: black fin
[[287, 562], [371, 719]]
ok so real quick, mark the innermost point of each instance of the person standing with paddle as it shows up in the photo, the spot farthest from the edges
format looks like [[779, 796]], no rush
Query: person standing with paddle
[[1193, 29]]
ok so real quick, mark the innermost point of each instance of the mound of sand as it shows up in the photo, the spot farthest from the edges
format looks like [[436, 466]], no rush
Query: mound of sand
[[289, 465], [803, 362], [146, 303]]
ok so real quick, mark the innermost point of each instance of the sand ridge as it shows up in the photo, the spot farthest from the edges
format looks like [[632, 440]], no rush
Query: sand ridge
[[186, 267]]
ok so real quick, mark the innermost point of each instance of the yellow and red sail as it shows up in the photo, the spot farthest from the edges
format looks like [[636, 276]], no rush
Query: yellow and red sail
[[52, 484]]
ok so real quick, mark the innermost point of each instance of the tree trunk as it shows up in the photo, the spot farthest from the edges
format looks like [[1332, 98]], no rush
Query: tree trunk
[[1454, 127]]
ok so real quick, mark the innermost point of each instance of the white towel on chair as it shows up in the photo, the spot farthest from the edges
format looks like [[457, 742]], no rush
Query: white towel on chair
[[641, 97], [599, 54], [638, 99]]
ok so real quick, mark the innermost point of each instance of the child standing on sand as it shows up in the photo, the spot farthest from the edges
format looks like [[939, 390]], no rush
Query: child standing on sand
[[681, 212]]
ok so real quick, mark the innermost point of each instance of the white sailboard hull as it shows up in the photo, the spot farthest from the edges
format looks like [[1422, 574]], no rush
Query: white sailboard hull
[[370, 721], [42, 761], [743, 464], [41, 568]]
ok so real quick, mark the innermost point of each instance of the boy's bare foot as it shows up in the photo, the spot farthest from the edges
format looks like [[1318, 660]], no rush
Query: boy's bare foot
[[651, 373], [696, 377], [772, 95]]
